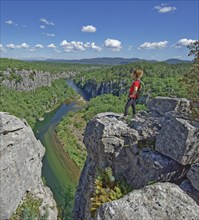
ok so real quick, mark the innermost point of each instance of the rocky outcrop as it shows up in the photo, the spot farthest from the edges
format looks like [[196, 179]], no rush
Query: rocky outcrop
[[159, 201], [135, 152], [178, 140], [162, 105], [190, 190], [29, 80], [21, 154], [193, 175], [93, 88]]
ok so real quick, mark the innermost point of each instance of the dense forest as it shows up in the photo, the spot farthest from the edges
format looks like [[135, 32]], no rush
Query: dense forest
[[43, 66], [161, 79], [32, 105]]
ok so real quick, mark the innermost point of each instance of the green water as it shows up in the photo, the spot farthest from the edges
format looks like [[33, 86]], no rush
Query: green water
[[58, 169]]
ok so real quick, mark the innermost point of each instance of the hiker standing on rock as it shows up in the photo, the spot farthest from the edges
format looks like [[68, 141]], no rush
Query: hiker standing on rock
[[133, 92]]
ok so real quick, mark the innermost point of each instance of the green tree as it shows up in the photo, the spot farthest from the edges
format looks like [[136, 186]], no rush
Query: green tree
[[190, 79], [194, 51]]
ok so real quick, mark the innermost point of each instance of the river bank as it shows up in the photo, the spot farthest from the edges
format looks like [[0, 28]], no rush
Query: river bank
[[59, 171]]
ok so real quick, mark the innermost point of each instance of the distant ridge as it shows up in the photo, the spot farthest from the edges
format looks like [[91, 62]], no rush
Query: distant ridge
[[114, 61], [175, 61], [102, 60]]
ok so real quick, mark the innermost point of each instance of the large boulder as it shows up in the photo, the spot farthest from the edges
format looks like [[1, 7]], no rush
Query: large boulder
[[179, 139], [190, 190], [162, 105], [157, 145], [147, 124], [111, 142], [159, 201], [193, 175], [21, 154]]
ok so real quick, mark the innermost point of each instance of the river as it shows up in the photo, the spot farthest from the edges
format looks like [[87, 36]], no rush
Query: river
[[58, 169]]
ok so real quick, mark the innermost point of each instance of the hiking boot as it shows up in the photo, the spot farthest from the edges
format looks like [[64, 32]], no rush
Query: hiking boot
[[124, 117]]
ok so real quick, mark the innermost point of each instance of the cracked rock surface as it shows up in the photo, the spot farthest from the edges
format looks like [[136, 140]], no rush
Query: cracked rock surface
[[20, 166], [157, 145]]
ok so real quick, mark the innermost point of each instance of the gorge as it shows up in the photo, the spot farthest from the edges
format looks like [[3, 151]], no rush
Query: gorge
[[154, 154]]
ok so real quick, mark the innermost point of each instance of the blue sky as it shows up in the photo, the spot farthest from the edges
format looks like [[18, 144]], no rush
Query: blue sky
[[87, 29]]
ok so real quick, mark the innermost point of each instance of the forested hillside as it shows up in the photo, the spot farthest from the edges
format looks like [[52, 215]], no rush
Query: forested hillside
[[47, 92], [32, 105], [42, 66], [159, 78]]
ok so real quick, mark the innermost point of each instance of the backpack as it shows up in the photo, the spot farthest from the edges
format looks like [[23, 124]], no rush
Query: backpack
[[141, 93]]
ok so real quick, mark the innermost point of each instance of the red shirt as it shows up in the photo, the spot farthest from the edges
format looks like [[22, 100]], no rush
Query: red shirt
[[134, 84]]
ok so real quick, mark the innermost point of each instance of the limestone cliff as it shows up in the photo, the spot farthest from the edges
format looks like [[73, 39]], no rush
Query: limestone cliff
[[21, 154], [29, 80], [159, 146], [93, 88]]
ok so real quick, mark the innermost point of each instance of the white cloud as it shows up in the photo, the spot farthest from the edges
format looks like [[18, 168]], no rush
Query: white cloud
[[21, 46], [24, 46], [78, 46], [46, 22], [72, 46], [39, 46], [95, 47], [36, 47], [50, 35], [113, 44], [9, 22], [52, 46], [42, 26], [89, 28], [153, 45], [184, 42], [11, 46], [164, 8]]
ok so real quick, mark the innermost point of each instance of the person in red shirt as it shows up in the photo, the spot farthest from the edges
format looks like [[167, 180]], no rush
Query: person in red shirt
[[135, 86]]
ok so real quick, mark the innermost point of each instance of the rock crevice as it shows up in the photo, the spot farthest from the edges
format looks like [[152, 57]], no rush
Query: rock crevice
[[20, 157], [158, 145]]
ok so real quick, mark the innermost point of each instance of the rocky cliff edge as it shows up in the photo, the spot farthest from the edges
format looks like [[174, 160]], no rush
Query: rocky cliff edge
[[20, 159], [156, 153]]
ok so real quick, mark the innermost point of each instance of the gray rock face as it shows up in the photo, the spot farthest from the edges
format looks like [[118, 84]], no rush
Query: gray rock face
[[179, 140], [154, 146], [159, 201], [181, 106], [29, 80], [190, 190], [112, 143], [93, 88], [21, 156], [84, 191], [193, 175], [147, 124]]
